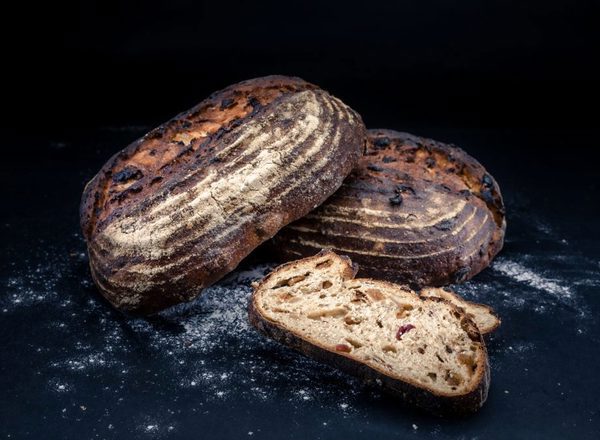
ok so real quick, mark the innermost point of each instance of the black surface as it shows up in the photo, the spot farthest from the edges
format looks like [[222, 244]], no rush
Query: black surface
[[514, 84]]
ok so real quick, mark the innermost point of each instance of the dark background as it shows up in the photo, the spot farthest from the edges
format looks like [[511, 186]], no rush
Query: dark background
[[514, 83], [493, 63]]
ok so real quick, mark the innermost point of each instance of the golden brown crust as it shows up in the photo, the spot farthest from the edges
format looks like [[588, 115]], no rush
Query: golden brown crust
[[410, 392], [179, 208], [414, 211]]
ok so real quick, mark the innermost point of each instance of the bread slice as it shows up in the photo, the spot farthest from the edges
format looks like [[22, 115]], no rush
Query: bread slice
[[425, 350], [483, 316]]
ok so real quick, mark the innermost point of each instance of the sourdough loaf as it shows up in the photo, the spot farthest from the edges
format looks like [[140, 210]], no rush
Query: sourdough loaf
[[425, 350], [414, 211], [179, 208]]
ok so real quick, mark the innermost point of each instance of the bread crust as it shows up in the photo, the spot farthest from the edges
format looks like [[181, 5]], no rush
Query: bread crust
[[179, 208], [411, 393], [414, 211]]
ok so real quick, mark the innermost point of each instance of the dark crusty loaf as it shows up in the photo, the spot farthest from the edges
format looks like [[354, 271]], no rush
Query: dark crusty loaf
[[425, 350], [179, 208], [415, 211]]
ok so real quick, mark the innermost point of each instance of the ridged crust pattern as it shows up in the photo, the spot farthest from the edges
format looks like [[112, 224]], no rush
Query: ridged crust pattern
[[179, 208], [414, 211]]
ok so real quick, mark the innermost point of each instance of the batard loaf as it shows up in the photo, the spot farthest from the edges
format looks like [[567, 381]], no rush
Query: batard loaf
[[425, 350], [179, 208], [415, 211]]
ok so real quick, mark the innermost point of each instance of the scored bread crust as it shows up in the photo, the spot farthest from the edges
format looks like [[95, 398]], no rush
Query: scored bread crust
[[414, 211], [179, 208], [411, 392]]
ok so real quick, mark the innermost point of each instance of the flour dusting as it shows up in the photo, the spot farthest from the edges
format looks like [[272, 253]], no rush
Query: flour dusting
[[207, 352], [523, 274]]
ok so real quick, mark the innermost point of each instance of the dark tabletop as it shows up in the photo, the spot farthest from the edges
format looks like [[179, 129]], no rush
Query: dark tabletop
[[72, 367]]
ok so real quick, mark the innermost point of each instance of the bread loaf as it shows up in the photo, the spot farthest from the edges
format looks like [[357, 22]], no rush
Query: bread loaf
[[179, 208], [425, 350], [414, 211]]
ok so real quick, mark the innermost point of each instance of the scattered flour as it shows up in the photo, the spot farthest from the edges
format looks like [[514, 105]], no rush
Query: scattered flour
[[523, 274], [208, 350]]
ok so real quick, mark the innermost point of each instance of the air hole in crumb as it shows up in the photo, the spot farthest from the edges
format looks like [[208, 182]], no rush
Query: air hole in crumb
[[288, 297], [379, 323], [327, 284], [324, 264], [375, 294], [433, 376], [421, 350], [359, 296], [323, 313], [403, 311], [448, 349], [351, 321], [453, 379], [439, 357], [291, 281], [389, 348]]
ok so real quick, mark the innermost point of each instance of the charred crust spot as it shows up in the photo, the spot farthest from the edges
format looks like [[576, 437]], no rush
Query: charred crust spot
[[227, 103], [388, 159], [381, 142], [465, 193], [255, 103], [152, 152], [487, 196], [487, 181], [396, 200], [373, 167], [461, 274], [186, 124], [430, 162], [214, 160], [126, 174], [445, 225], [157, 133], [156, 180], [404, 189]]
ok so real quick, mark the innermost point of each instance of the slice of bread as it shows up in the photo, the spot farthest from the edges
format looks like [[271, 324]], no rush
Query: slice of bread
[[483, 316], [425, 350]]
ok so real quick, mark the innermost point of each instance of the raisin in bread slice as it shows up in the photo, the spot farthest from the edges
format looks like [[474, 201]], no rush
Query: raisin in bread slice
[[425, 350], [484, 317]]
